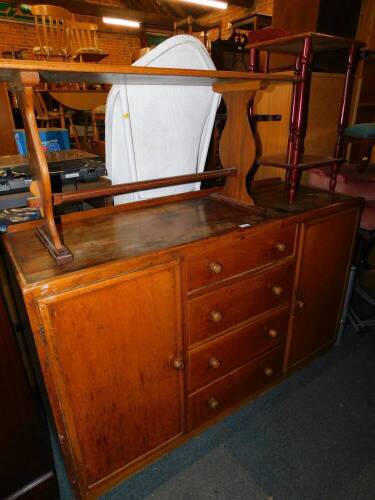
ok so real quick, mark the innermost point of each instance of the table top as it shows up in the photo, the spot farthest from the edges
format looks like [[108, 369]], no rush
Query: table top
[[57, 72], [12, 161], [82, 100], [293, 44]]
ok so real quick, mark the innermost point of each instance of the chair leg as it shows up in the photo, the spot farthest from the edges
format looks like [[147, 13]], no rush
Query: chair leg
[[365, 152], [74, 133], [345, 315], [62, 117], [85, 133]]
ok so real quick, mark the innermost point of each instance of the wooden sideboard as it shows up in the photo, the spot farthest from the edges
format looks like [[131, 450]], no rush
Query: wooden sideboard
[[175, 311]]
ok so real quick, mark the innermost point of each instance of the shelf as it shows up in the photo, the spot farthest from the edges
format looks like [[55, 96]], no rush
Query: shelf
[[308, 161], [293, 44]]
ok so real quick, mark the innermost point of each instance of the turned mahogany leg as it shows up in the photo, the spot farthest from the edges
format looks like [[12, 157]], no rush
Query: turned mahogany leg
[[253, 60], [293, 118], [302, 98], [344, 114], [294, 109], [365, 153]]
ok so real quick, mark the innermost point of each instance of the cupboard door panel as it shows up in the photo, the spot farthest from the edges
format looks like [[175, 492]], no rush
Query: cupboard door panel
[[325, 259], [111, 348]]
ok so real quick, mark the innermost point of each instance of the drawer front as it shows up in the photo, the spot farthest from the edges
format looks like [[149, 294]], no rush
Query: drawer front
[[218, 357], [235, 386], [235, 254], [221, 309]]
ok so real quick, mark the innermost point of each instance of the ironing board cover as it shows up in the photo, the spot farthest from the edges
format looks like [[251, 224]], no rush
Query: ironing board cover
[[154, 131]]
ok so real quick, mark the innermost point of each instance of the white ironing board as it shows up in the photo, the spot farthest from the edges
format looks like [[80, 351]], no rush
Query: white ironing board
[[154, 131]]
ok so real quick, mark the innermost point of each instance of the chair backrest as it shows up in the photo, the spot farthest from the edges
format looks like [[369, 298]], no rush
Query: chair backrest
[[155, 131], [50, 26], [82, 35]]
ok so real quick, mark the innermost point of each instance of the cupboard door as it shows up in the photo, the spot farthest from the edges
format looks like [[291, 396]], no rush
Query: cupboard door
[[326, 248], [111, 348]]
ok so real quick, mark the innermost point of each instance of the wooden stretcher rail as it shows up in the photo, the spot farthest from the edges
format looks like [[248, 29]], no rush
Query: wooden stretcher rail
[[131, 187]]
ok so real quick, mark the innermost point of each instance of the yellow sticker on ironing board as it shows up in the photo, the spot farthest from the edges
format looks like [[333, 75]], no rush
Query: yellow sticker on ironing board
[[126, 115]]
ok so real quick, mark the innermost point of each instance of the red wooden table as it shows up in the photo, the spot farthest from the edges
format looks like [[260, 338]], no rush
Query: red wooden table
[[303, 46]]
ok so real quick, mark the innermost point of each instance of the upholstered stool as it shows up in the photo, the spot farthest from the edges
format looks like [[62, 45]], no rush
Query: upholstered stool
[[349, 181], [362, 134]]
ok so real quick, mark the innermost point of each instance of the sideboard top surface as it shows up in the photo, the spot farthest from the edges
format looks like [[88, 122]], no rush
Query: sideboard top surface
[[126, 234]]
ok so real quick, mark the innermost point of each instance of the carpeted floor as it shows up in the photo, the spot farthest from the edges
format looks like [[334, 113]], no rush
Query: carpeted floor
[[310, 438]]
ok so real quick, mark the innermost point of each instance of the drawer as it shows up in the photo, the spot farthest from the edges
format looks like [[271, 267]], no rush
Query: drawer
[[236, 253], [215, 312], [210, 401], [218, 357]]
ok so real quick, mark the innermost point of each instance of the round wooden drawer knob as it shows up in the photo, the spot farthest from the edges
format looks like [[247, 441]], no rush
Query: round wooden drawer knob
[[215, 267], [277, 290], [213, 403], [214, 362], [300, 304], [216, 316], [281, 247], [268, 371], [178, 364], [273, 333]]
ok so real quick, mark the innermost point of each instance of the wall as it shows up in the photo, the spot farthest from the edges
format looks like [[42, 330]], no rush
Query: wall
[[118, 44]]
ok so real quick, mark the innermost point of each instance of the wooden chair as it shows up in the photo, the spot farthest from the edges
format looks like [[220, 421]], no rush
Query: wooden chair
[[84, 42], [45, 117], [98, 118], [50, 26], [362, 134], [188, 21], [98, 115]]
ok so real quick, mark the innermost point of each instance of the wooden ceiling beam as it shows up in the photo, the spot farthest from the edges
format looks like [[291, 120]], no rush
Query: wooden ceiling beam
[[97, 10]]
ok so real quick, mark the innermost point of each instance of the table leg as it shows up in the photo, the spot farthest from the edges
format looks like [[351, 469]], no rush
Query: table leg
[[301, 116], [253, 60], [293, 118], [344, 113]]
